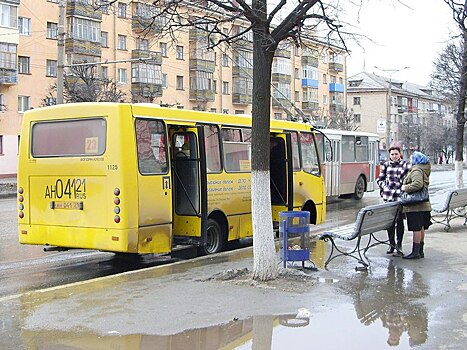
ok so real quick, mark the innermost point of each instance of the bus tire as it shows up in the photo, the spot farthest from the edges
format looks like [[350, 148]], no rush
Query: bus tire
[[359, 188], [214, 239]]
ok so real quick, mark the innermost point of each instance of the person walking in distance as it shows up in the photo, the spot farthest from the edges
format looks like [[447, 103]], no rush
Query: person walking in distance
[[390, 182], [418, 215]]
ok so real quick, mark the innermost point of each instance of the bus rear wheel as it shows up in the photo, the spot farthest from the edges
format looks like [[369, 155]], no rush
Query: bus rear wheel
[[214, 239], [359, 188]]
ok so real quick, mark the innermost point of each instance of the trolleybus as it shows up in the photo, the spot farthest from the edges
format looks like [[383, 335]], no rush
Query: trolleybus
[[138, 178], [350, 162]]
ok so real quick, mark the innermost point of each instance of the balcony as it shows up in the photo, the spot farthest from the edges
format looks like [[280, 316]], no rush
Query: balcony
[[78, 9], [202, 65], [310, 61], [243, 99], [242, 72], [336, 67], [201, 95], [148, 25], [281, 102], [281, 78], [282, 52], [87, 48], [146, 90], [310, 83], [335, 87], [8, 77], [337, 108], [310, 106], [401, 109], [150, 57]]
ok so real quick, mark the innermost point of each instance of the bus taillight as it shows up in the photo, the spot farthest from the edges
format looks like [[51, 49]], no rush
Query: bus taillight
[[117, 202], [21, 205]]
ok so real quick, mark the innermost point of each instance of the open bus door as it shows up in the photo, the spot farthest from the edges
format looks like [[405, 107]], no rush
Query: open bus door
[[281, 174], [189, 190]]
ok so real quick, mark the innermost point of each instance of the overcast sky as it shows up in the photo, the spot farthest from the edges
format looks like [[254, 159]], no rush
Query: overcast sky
[[402, 37]]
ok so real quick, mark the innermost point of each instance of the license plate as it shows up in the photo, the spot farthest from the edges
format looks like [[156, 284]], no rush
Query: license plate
[[66, 205]]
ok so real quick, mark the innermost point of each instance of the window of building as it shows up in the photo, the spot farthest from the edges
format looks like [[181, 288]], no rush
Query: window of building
[[297, 51], [325, 79], [164, 81], [142, 72], [104, 72], [179, 85], [8, 56], [85, 29], [325, 99], [225, 111], [8, 16], [142, 44], [357, 118], [278, 115], [297, 96], [121, 43], [23, 103], [297, 73], [52, 30], [104, 39], [163, 49], [51, 68], [122, 78], [23, 65], [24, 25], [179, 54], [214, 86], [1, 144], [356, 101], [225, 87], [121, 12], [54, 1], [225, 60], [239, 111], [332, 79]]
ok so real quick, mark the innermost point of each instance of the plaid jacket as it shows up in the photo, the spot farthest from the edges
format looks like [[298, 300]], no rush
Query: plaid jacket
[[390, 179]]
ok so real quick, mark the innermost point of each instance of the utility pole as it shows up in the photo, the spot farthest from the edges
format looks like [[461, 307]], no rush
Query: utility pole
[[61, 51], [388, 116]]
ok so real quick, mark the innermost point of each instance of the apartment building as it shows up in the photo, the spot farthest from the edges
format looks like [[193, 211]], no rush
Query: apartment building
[[377, 102], [178, 74]]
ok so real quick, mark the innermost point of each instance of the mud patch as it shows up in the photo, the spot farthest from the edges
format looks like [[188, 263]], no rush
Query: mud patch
[[288, 280]]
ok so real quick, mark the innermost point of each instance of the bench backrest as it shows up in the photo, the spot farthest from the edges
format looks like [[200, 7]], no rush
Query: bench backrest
[[457, 198], [376, 218]]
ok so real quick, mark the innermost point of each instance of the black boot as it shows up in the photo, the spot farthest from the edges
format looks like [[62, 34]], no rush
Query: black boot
[[415, 252], [398, 252], [421, 252], [392, 241]]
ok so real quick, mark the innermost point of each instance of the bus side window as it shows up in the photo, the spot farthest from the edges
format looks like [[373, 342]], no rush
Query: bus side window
[[309, 154], [213, 155], [361, 149], [295, 152], [151, 146], [348, 149]]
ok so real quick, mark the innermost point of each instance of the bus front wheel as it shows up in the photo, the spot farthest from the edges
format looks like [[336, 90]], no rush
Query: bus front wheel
[[359, 188], [214, 238]]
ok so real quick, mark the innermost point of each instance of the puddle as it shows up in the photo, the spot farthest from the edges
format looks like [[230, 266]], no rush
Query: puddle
[[322, 330]]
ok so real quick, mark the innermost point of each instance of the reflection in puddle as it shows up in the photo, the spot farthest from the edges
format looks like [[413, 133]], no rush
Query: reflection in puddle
[[378, 315]]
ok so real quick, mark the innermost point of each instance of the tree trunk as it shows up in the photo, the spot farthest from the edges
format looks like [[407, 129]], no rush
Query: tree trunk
[[264, 251], [461, 117]]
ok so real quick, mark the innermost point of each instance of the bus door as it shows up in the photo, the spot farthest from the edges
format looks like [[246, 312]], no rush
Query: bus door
[[281, 176], [372, 164], [189, 192], [333, 170]]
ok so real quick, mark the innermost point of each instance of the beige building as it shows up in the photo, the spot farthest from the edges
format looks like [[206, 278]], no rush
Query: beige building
[[181, 74], [378, 103]]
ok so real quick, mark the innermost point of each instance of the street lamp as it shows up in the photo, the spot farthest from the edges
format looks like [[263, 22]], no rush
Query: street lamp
[[388, 116]]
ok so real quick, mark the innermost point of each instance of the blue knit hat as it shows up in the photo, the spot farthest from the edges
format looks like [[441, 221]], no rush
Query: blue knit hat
[[419, 158]]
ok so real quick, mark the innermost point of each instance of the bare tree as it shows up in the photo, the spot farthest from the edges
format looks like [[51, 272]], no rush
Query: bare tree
[[459, 14], [346, 120], [269, 28]]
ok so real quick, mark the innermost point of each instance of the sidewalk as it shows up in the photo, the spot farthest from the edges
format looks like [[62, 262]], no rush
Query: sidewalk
[[202, 301], [7, 187]]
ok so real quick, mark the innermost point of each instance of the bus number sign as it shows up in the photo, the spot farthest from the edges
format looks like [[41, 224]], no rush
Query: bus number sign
[[70, 188]]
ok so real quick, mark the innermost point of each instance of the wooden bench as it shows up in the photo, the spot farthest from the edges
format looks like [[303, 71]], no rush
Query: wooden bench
[[455, 199], [369, 220]]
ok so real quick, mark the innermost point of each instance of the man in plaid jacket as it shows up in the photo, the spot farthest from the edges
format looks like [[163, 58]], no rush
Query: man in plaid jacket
[[390, 183]]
